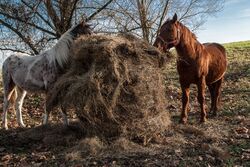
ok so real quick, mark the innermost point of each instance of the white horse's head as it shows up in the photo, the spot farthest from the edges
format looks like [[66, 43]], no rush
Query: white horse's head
[[60, 52], [81, 29]]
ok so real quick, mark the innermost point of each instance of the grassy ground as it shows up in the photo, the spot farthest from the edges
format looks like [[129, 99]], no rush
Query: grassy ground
[[230, 131], [222, 141]]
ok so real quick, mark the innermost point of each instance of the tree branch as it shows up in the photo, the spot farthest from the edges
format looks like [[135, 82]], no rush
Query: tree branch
[[52, 14], [164, 13], [23, 21], [26, 40], [72, 10], [188, 9], [38, 14], [13, 50], [98, 11]]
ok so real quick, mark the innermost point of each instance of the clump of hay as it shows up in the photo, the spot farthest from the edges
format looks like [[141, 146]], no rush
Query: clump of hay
[[86, 146], [115, 86]]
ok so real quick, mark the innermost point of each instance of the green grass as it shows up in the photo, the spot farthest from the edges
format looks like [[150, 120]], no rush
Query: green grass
[[236, 45], [235, 103]]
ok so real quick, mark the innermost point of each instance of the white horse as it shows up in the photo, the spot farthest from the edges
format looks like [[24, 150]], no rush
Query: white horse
[[37, 73]]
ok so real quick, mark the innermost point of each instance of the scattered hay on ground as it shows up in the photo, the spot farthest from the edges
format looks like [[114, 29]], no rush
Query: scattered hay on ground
[[115, 85]]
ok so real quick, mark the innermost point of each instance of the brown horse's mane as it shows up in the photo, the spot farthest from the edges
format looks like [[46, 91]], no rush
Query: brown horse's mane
[[183, 27], [188, 32], [189, 40]]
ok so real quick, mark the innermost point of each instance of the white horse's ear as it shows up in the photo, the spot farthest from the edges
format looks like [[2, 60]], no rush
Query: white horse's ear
[[83, 19], [174, 18]]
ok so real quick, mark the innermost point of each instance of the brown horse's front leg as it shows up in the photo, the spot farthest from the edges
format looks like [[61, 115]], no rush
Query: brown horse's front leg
[[201, 97], [185, 102]]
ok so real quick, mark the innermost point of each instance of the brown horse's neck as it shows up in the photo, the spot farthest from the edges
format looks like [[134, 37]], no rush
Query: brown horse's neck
[[188, 47]]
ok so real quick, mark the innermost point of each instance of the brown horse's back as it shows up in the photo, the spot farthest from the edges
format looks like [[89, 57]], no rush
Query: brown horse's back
[[217, 62]]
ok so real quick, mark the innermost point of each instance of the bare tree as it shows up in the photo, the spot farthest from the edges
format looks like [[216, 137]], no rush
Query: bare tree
[[145, 17], [30, 26]]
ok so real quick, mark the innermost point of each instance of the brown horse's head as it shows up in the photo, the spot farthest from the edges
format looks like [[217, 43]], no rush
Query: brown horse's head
[[80, 29], [169, 35]]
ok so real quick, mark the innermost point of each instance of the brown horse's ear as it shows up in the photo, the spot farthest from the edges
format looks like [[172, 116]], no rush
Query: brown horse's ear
[[174, 18]]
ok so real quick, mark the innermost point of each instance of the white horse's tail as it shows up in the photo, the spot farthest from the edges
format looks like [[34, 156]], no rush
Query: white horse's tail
[[9, 89], [13, 96], [10, 93]]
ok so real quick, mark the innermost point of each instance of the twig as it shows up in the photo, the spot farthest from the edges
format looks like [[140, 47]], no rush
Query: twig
[[98, 11]]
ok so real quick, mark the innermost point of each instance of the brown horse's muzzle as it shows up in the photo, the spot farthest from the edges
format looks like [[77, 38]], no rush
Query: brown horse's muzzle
[[161, 45]]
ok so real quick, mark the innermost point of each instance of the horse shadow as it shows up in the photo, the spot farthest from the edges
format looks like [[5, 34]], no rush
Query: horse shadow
[[40, 138]]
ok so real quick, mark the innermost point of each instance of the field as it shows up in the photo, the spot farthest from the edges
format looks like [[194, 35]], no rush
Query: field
[[222, 141]]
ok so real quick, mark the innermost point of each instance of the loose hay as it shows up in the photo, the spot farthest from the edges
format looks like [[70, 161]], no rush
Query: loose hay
[[115, 86]]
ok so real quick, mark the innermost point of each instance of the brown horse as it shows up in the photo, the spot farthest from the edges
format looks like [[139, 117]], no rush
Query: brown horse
[[200, 64]]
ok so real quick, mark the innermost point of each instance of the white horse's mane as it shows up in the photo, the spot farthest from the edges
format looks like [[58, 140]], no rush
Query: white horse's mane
[[60, 52]]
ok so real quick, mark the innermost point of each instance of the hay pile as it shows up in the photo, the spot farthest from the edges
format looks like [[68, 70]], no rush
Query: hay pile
[[115, 86]]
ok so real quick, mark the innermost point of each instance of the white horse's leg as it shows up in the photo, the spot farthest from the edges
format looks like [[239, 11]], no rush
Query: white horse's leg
[[64, 116], [47, 111], [63, 110], [46, 117], [5, 109], [18, 106], [9, 94]]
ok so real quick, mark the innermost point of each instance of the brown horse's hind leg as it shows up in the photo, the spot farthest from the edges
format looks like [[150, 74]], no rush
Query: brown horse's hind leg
[[185, 102], [217, 93], [201, 98], [211, 88]]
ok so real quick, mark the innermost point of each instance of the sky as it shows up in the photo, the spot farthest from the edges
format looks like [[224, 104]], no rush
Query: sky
[[230, 25]]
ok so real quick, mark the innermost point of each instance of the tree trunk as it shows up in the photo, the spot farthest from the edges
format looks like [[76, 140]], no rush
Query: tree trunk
[[141, 4]]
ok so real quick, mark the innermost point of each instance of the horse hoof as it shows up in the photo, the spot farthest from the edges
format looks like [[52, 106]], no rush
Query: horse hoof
[[22, 126], [212, 115], [203, 120], [183, 121], [5, 127]]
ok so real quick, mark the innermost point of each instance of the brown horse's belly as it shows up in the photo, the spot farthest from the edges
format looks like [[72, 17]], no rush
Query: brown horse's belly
[[216, 72], [217, 63]]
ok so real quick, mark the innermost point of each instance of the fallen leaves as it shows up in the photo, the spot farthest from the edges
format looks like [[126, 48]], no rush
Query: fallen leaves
[[215, 151], [245, 154], [242, 132], [6, 158], [192, 130]]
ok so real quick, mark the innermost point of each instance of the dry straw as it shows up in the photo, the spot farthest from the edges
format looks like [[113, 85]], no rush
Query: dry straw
[[115, 85]]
